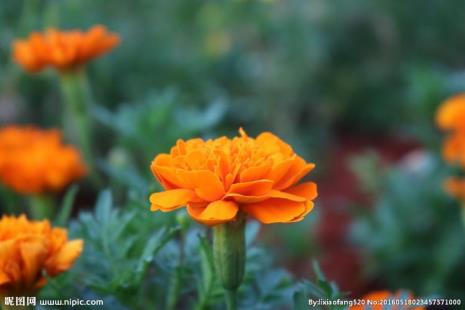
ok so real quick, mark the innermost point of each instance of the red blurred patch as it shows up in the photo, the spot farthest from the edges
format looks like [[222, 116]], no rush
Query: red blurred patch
[[338, 191]]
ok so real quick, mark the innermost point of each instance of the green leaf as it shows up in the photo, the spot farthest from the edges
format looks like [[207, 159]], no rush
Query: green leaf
[[155, 244]]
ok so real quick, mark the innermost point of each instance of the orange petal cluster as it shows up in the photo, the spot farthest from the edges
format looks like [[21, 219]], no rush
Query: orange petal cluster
[[451, 118], [451, 113], [34, 161], [30, 249], [63, 50], [377, 301], [455, 187], [218, 178]]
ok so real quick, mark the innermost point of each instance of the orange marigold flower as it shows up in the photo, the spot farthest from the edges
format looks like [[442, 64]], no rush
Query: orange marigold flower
[[217, 178], [455, 187], [30, 249], [451, 116], [35, 161], [453, 149], [374, 301], [451, 113], [64, 50]]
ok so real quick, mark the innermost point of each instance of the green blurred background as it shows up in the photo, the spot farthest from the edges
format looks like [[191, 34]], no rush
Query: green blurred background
[[353, 85]]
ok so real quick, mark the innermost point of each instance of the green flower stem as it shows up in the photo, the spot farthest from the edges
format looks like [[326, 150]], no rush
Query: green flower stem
[[231, 299], [41, 207], [76, 120], [229, 257]]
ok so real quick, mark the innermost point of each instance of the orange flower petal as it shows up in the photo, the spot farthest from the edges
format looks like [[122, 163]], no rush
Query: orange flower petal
[[246, 199], [196, 160], [207, 185], [7, 247], [278, 210], [297, 171], [307, 190], [299, 193], [65, 257], [308, 208], [254, 173], [214, 213], [33, 253], [168, 177], [252, 188], [280, 169], [272, 143], [172, 199], [159, 162], [286, 196], [4, 278]]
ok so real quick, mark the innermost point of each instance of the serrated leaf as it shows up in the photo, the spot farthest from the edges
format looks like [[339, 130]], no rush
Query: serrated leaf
[[155, 244]]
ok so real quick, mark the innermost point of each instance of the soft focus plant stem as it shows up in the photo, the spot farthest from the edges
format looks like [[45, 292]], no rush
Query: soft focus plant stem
[[231, 299], [76, 120], [41, 207], [229, 257]]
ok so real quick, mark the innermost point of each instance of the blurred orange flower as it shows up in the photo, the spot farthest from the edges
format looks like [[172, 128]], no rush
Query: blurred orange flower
[[451, 113], [64, 50], [28, 249], [218, 178], [455, 187], [451, 116], [377, 298], [453, 149], [34, 161]]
